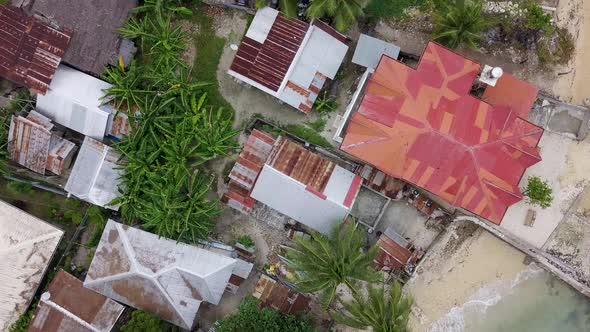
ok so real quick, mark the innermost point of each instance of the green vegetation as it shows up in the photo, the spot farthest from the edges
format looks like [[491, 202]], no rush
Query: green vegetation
[[287, 7], [384, 311], [383, 9], [22, 323], [538, 192], [343, 12], [22, 101], [142, 321], [250, 317], [459, 22], [535, 17], [323, 262], [246, 241], [210, 48], [174, 131], [557, 49], [325, 104], [20, 187], [309, 134]]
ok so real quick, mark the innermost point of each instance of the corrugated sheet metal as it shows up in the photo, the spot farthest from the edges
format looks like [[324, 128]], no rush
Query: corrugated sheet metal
[[61, 152], [512, 92], [275, 294], [96, 42], [423, 126], [67, 306], [27, 245], [32, 145], [246, 170], [95, 177], [369, 50], [266, 62], [30, 50], [74, 100], [158, 275]]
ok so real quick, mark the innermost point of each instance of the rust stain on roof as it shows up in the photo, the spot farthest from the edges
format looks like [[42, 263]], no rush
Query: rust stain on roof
[[69, 307], [276, 295], [267, 63], [301, 164], [30, 50]]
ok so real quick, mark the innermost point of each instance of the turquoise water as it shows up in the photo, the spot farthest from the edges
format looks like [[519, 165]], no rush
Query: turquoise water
[[535, 302]]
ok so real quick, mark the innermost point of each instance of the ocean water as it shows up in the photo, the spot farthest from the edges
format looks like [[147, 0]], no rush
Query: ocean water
[[535, 301]]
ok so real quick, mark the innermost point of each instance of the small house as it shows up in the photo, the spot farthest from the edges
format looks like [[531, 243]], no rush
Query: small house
[[66, 306], [161, 276], [287, 58], [32, 143]]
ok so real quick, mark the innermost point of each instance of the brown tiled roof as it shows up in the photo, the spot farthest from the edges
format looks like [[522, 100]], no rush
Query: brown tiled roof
[[30, 50], [67, 306]]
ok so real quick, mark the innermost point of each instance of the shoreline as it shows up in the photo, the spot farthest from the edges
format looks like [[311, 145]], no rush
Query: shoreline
[[464, 262]]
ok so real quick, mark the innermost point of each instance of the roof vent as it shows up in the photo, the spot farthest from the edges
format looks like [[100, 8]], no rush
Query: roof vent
[[490, 75]]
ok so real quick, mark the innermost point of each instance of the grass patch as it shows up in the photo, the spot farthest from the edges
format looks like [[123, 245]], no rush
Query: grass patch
[[308, 134], [380, 9], [22, 324], [562, 51], [209, 50]]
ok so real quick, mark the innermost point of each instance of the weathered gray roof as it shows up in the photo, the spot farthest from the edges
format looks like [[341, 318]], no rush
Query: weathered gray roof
[[67, 306], [369, 50], [158, 275], [95, 42], [27, 245], [95, 177]]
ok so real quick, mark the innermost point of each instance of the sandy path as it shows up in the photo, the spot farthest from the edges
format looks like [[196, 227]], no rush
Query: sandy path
[[581, 86]]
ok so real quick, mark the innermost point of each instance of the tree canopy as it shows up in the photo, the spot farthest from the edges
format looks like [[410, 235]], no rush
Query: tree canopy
[[458, 22], [252, 318], [538, 192], [323, 262]]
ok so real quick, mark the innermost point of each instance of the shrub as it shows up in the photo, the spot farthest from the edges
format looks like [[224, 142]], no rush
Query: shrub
[[536, 19], [246, 241], [22, 324], [538, 192], [558, 49], [74, 216], [325, 104], [252, 318], [142, 321], [21, 187]]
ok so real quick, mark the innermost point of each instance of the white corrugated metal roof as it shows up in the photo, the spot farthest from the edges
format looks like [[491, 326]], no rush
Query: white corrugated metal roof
[[369, 50], [158, 275], [261, 24], [27, 245], [292, 199], [73, 100], [94, 177]]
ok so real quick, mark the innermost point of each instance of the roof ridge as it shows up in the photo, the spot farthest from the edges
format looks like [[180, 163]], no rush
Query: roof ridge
[[69, 314]]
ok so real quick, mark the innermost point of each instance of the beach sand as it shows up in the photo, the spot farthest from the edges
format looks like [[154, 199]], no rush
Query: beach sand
[[465, 260]]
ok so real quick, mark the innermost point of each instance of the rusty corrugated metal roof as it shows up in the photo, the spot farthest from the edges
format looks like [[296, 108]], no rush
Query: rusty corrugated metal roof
[[423, 126], [67, 306], [267, 62], [32, 145], [276, 295], [301, 164], [30, 50]]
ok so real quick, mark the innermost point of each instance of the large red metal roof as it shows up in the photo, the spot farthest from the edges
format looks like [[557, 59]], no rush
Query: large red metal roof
[[423, 126], [30, 50]]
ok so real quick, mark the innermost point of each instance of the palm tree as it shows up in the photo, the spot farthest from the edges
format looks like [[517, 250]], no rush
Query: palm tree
[[344, 12], [323, 263], [287, 7], [459, 22], [384, 311]]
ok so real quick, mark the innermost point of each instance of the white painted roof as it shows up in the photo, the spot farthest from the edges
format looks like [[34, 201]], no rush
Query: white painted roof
[[261, 24], [291, 198], [369, 50], [73, 100], [27, 245], [158, 275], [94, 177]]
